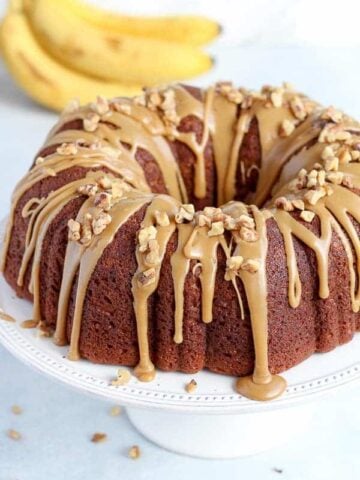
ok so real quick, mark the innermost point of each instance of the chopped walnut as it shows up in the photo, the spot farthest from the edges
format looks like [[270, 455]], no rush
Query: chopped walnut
[[48, 171], [44, 330], [14, 434], [67, 149], [101, 106], [91, 122], [231, 93], [186, 212], [233, 265], [153, 257], [203, 220], [144, 236], [72, 106], [245, 221], [103, 200], [100, 222], [345, 156], [276, 97], [307, 215], [347, 182], [29, 323], [86, 229], [297, 108], [313, 196], [99, 437], [335, 177], [115, 411], [217, 228], [16, 410], [328, 152], [74, 230], [89, 189], [286, 128], [122, 377], [298, 204], [284, 204], [250, 265], [191, 386], [332, 133], [105, 182], [331, 164], [332, 114], [134, 452], [162, 219], [147, 277], [121, 107]]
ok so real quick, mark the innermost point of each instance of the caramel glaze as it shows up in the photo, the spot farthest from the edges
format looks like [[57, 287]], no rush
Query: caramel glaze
[[123, 126]]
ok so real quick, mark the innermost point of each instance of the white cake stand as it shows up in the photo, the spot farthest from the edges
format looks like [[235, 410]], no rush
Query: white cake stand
[[215, 422]]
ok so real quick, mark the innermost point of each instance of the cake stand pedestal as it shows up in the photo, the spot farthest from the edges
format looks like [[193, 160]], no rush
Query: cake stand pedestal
[[222, 436], [213, 422]]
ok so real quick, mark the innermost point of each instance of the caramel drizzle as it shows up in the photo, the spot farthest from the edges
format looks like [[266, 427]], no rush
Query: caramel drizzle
[[139, 127]]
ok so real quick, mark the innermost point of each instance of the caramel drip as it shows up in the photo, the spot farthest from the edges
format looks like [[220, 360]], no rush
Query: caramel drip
[[203, 248], [241, 128], [145, 370], [224, 124], [261, 385], [180, 265]]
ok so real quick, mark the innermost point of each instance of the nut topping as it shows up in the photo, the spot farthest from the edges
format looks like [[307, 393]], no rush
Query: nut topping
[[186, 212], [307, 215], [147, 277], [91, 122], [286, 128]]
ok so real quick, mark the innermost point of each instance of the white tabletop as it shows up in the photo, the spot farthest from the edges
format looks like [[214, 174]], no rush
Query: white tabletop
[[57, 423]]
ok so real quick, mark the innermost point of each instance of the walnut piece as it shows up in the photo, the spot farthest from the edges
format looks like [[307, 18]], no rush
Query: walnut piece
[[284, 204], [99, 437], [146, 277], [307, 215], [16, 410], [13, 434], [191, 386], [286, 128], [115, 411], [91, 122], [122, 377], [67, 149], [101, 106], [134, 452], [186, 212], [217, 228], [144, 236], [100, 222], [297, 108], [74, 230], [162, 219]]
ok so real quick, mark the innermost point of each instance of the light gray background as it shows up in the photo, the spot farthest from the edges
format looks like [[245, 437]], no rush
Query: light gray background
[[57, 423]]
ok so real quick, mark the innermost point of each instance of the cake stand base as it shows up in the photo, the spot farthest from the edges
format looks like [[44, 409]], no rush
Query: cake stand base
[[222, 436]]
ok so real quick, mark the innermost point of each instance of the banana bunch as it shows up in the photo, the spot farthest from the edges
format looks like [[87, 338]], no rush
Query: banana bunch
[[60, 49]]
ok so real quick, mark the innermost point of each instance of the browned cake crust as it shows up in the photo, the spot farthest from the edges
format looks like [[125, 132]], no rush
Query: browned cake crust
[[108, 331]]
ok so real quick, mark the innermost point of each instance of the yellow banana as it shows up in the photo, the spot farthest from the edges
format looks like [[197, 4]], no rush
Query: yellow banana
[[191, 29], [41, 77], [112, 56]]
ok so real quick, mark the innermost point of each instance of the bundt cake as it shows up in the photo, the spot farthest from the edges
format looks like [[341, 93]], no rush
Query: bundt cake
[[188, 229]]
